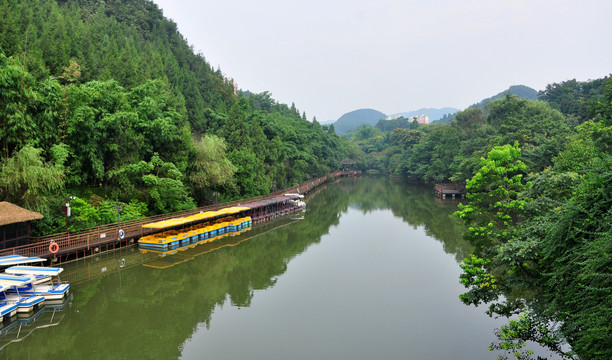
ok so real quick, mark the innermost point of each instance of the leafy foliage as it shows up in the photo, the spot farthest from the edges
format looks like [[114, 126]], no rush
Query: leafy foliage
[[27, 179], [137, 116], [555, 240]]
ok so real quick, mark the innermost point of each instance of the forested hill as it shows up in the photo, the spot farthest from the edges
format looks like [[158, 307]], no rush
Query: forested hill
[[357, 118], [521, 91], [106, 101], [126, 41]]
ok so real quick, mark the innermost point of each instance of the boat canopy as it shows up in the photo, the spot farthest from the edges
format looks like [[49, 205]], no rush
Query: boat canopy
[[33, 270], [193, 218], [10, 260], [15, 280]]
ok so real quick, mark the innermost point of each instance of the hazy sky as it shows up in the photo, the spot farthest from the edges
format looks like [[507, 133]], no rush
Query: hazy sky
[[331, 57]]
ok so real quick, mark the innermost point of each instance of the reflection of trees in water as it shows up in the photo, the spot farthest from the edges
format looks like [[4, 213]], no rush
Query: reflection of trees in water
[[157, 310], [416, 205]]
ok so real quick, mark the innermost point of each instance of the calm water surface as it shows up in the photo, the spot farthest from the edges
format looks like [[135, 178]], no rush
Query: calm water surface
[[370, 272]]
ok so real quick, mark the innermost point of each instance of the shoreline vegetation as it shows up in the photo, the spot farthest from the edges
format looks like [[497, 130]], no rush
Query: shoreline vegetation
[[106, 102], [539, 178]]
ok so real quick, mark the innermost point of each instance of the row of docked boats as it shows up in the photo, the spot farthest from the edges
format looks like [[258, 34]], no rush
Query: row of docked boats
[[176, 236], [24, 287]]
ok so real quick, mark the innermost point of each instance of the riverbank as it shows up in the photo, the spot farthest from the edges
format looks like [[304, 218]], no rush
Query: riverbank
[[63, 247]]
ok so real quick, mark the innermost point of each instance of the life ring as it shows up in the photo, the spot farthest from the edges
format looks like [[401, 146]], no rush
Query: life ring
[[122, 263], [53, 248], [121, 234]]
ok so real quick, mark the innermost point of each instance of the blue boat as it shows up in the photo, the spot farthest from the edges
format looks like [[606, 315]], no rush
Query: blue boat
[[7, 310], [24, 303], [43, 281]]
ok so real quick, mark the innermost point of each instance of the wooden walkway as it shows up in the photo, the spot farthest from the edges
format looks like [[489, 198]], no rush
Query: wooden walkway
[[92, 239]]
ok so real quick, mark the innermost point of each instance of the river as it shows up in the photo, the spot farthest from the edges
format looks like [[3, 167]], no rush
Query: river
[[370, 271]]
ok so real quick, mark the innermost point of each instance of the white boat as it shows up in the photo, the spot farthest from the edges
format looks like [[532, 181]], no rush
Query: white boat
[[6, 310], [42, 283], [24, 303]]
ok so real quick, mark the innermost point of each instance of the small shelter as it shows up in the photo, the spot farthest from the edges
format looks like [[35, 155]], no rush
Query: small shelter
[[453, 189], [15, 225], [347, 164]]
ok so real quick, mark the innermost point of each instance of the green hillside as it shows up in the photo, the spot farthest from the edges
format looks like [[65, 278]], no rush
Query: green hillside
[[357, 118], [106, 101], [522, 91]]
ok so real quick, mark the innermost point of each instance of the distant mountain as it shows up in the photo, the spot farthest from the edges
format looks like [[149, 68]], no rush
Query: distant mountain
[[434, 114], [522, 91], [355, 119]]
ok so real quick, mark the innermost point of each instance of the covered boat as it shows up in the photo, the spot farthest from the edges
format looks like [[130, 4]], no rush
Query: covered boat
[[24, 303], [42, 283], [6, 310]]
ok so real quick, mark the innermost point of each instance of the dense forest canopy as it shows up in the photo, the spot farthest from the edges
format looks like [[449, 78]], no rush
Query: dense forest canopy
[[106, 101]]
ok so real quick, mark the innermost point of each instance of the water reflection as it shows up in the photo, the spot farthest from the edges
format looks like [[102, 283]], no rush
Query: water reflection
[[415, 204], [18, 328], [149, 307]]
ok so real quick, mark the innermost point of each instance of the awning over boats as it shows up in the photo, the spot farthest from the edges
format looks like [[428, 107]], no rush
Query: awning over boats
[[276, 200], [33, 270], [223, 212], [10, 260], [15, 280], [195, 217]]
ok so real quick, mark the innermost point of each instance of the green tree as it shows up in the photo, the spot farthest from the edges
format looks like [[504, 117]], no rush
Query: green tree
[[16, 95], [490, 216], [28, 181], [494, 198], [211, 169]]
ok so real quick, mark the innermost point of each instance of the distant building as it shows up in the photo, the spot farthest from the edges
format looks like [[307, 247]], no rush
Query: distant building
[[15, 225], [421, 119]]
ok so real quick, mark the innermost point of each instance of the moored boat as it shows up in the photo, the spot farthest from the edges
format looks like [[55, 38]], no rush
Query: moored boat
[[24, 303], [43, 281], [6, 310]]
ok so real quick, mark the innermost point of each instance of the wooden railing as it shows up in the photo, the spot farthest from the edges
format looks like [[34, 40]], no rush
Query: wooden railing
[[104, 234]]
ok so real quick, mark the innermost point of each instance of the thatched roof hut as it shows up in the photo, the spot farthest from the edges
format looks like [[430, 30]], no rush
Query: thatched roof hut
[[11, 213]]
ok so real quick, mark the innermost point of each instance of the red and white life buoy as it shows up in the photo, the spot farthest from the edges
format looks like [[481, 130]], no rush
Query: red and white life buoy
[[53, 248]]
